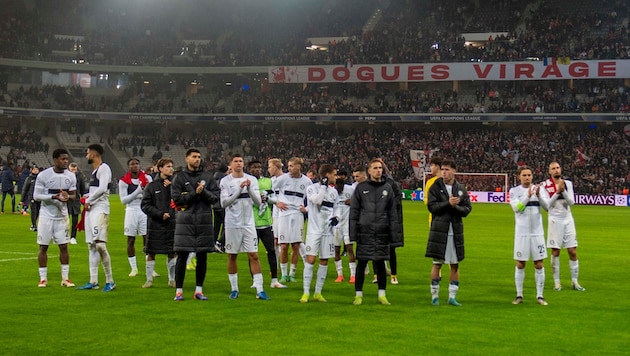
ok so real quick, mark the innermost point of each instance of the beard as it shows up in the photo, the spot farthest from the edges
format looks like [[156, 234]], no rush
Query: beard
[[90, 161]]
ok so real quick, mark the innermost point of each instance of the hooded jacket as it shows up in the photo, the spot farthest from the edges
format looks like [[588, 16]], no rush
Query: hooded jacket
[[373, 220], [443, 216], [193, 231], [156, 200]]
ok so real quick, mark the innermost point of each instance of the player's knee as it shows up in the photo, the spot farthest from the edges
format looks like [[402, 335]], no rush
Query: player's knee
[[101, 247]]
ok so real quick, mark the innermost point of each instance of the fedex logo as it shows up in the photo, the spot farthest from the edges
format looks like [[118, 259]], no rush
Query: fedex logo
[[496, 197]]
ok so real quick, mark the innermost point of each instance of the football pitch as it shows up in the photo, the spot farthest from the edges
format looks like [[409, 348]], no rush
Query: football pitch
[[133, 320]]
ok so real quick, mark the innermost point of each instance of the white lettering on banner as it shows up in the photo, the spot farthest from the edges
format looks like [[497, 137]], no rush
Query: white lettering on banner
[[431, 72]]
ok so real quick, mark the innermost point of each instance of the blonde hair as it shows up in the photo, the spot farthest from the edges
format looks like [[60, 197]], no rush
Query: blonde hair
[[276, 162], [297, 160]]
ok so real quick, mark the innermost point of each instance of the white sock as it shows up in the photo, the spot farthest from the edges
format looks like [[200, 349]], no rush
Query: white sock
[[170, 267], [94, 258], [293, 269], [65, 271], [105, 261], [303, 251], [233, 277], [339, 268], [133, 263], [198, 289], [555, 267], [574, 266], [150, 267], [274, 281], [519, 277], [435, 288], [540, 282], [179, 291], [43, 273], [307, 276], [381, 293], [353, 269], [258, 282], [453, 287], [322, 271], [283, 269]]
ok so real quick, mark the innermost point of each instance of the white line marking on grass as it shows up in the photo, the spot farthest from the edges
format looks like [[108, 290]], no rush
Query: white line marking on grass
[[18, 259], [16, 253]]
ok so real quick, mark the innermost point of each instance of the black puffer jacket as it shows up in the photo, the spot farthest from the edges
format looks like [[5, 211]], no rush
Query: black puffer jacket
[[27, 189], [156, 200], [443, 216], [373, 220], [194, 232], [74, 206]]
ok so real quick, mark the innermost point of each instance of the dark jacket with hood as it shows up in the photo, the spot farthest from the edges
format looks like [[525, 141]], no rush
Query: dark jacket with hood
[[194, 232], [373, 220], [443, 216], [156, 200]]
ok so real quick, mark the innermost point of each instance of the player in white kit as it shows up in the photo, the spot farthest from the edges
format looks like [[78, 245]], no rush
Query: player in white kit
[[54, 187], [323, 216], [557, 193], [97, 219], [291, 189], [342, 230], [130, 189], [529, 236], [239, 193]]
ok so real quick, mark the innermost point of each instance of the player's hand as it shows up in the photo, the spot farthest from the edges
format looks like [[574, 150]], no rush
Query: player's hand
[[453, 200], [334, 221], [324, 181], [303, 209], [87, 207], [246, 183], [200, 187], [165, 216], [62, 196], [560, 187], [167, 182], [282, 206]]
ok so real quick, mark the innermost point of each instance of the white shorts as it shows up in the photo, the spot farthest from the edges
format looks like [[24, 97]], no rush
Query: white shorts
[[342, 235], [52, 230], [450, 255], [561, 233], [321, 244], [96, 226], [529, 247], [135, 222], [243, 239], [290, 228]]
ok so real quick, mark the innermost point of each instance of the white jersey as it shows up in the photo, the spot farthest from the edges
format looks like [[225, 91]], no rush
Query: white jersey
[[292, 192], [273, 198], [322, 206], [528, 220], [98, 194], [344, 210], [49, 183], [558, 205], [238, 202], [131, 194]]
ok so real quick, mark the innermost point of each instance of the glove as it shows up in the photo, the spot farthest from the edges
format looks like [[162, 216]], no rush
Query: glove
[[324, 181], [334, 221], [262, 208]]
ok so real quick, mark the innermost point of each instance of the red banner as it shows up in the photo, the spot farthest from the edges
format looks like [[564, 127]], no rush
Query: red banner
[[435, 72]]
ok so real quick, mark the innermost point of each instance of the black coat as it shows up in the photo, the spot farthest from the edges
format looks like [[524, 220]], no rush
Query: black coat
[[194, 232], [443, 216], [156, 200], [27, 189], [373, 220], [74, 206], [399, 213]]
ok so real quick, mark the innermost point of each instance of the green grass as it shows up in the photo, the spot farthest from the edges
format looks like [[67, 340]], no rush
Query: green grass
[[132, 320]]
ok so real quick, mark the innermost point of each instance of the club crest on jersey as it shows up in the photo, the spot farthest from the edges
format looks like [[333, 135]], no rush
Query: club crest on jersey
[[308, 248], [301, 186], [67, 181], [460, 193], [228, 246], [384, 193]]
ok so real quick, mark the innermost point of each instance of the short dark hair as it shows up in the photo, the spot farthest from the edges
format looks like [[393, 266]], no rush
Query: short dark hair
[[236, 155], [163, 162], [449, 163], [325, 169], [251, 163], [60, 151], [191, 151], [96, 147], [358, 169], [132, 159], [436, 160], [342, 172]]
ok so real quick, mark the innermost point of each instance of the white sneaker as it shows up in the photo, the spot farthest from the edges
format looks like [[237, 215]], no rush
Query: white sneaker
[[133, 273], [73, 241], [278, 285], [155, 274], [147, 284]]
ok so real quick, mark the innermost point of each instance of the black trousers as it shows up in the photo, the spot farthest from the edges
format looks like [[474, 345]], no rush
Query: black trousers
[[200, 271], [266, 236], [379, 268]]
